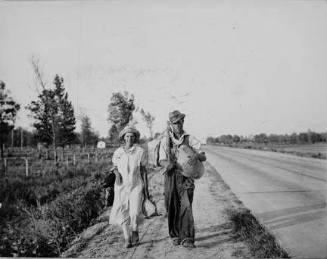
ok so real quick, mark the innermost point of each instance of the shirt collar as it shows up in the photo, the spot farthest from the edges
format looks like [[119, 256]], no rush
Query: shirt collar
[[180, 140], [130, 150]]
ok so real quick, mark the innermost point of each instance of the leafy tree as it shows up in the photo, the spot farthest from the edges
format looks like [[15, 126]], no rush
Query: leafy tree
[[67, 121], [294, 138], [113, 134], [88, 136], [226, 139], [120, 111], [44, 111], [261, 138], [148, 118], [222, 139], [54, 115], [8, 112], [273, 138], [323, 136], [236, 139], [284, 139], [210, 140], [315, 137], [304, 137]]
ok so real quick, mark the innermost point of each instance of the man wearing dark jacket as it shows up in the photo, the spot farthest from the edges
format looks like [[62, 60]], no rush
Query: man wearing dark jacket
[[179, 189]]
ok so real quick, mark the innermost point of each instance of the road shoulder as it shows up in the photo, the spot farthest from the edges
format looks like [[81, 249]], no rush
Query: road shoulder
[[214, 237]]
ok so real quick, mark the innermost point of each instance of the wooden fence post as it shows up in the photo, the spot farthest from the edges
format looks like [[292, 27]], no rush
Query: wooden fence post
[[74, 159], [5, 165], [26, 168], [88, 157], [96, 156]]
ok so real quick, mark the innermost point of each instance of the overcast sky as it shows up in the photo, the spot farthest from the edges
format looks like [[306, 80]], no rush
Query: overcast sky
[[239, 67]]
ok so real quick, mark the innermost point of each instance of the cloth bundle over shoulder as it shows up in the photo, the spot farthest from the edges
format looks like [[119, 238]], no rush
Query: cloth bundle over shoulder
[[188, 160]]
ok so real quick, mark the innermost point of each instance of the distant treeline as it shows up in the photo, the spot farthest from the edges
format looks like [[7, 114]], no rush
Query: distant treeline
[[20, 137], [308, 137]]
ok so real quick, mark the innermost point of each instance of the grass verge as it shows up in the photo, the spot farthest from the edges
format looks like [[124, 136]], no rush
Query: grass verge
[[246, 228]]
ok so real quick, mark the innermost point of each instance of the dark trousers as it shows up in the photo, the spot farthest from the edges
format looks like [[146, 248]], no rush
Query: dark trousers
[[179, 192]]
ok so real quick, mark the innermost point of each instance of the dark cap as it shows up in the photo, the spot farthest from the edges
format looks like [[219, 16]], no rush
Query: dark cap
[[176, 116]]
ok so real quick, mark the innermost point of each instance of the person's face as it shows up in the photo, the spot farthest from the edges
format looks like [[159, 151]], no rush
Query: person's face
[[129, 139], [178, 126]]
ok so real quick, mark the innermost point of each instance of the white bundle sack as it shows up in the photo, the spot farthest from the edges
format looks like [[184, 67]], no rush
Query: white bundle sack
[[188, 161], [149, 208]]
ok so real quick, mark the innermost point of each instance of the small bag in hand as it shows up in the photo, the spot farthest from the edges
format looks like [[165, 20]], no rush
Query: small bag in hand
[[118, 176], [149, 208]]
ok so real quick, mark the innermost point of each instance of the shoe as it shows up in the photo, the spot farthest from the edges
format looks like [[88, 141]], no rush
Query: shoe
[[135, 238], [188, 244], [175, 241], [128, 243]]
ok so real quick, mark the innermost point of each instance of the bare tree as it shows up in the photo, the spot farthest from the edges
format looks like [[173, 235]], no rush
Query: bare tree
[[148, 118]]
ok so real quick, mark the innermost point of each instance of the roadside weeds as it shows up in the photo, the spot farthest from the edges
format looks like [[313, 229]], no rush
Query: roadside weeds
[[246, 228], [261, 243]]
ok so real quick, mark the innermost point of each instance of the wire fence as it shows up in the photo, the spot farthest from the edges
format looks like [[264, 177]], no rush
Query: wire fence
[[33, 161]]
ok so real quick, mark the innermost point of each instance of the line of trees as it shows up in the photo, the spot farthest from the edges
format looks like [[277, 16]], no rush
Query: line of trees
[[54, 118], [308, 137]]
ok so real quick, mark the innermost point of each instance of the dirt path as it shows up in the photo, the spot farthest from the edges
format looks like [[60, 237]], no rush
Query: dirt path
[[213, 236]]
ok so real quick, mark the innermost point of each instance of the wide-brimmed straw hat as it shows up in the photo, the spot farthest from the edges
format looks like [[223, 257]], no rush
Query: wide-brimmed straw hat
[[176, 116], [129, 129]]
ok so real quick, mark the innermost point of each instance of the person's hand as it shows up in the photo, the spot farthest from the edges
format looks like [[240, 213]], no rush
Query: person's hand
[[119, 178], [169, 167], [202, 156]]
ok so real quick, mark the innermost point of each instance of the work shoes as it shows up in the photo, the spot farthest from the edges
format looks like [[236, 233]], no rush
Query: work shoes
[[135, 238], [188, 244], [128, 243], [175, 241]]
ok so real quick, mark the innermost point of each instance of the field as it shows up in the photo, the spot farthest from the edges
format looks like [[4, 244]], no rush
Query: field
[[317, 150], [45, 204], [304, 148]]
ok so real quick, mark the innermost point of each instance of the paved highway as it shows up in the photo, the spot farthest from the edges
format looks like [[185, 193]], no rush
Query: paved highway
[[285, 192]]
